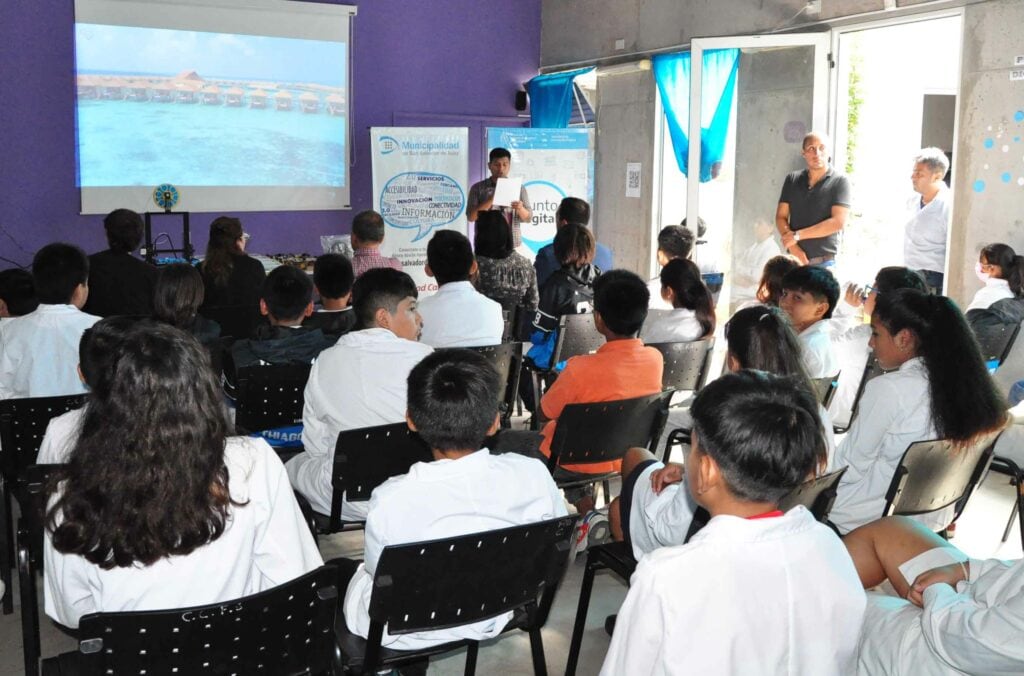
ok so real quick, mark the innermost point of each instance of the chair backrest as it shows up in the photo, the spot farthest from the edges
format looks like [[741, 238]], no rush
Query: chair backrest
[[603, 431], [576, 335], [367, 457], [686, 364], [817, 495], [236, 321], [270, 396], [935, 474], [825, 388], [22, 427], [996, 342], [285, 630], [506, 359], [872, 369], [460, 580]]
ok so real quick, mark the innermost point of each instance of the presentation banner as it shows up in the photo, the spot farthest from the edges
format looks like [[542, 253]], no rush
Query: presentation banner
[[420, 177], [554, 163]]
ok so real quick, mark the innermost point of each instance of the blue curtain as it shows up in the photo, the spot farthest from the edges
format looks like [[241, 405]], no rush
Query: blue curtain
[[551, 98], [672, 74]]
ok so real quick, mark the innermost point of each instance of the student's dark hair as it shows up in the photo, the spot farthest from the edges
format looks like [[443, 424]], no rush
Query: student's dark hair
[[622, 299], [57, 270], [683, 277], [816, 281], [124, 230], [762, 338], [1011, 264], [762, 430], [897, 277], [333, 275], [146, 479], [18, 291], [100, 347], [178, 294], [287, 291], [676, 241], [453, 399], [964, 400], [497, 154], [450, 256], [702, 227], [492, 238], [368, 226], [573, 210], [380, 288], [222, 248], [769, 291], [574, 245]]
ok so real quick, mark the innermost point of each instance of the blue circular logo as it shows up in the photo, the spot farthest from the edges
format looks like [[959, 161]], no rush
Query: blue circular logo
[[166, 196]]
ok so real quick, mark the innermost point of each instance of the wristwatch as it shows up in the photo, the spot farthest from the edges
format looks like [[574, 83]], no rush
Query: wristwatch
[[796, 236]]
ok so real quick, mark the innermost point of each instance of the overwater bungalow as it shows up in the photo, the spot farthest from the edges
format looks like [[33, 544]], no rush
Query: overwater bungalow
[[257, 99], [112, 89], [234, 96], [86, 87], [310, 102], [335, 104], [185, 92], [138, 90], [283, 100], [163, 92], [211, 95]]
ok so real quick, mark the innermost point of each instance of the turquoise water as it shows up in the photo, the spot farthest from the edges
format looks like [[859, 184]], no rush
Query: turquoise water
[[123, 143]]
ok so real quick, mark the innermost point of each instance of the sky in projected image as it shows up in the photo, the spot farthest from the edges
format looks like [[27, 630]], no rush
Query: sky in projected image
[[208, 109]]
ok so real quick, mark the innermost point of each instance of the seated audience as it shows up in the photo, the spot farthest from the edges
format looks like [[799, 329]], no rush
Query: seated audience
[[332, 277], [750, 264], [692, 316], [132, 526], [940, 390], [570, 210], [706, 257], [119, 283], [954, 614], [756, 591], [39, 351], [286, 299], [504, 275], [358, 382], [674, 241], [769, 290], [466, 489], [17, 293], [178, 295], [230, 276], [367, 236], [809, 295], [457, 315], [759, 338], [1002, 271]]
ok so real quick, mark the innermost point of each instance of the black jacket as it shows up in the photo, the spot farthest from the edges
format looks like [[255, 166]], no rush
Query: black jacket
[[567, 292], [994, 326], [119, 284]]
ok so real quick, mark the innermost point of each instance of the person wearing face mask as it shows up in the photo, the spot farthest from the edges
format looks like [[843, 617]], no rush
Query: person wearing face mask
[[1002, 271], [481, 195], [924, 243], [814, 205]]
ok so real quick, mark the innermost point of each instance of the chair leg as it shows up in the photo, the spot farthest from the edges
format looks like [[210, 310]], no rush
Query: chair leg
[[540, 665], [6, 546], [586, 587], [1020, 507], [471, 652], [29, 606], [1015, 482]]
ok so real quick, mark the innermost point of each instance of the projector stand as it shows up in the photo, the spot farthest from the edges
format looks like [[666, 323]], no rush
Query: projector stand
[[185, 251]]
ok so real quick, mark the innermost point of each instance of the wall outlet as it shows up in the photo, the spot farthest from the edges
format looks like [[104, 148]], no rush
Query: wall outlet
[[813, 7]]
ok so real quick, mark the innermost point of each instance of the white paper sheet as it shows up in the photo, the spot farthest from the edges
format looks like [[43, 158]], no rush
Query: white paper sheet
[[507, 191], [929, 560]]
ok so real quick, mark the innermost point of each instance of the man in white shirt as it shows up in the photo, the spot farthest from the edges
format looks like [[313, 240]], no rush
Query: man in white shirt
[[750, 264], [809, 296], [924, 245], [39, 351], [457, 315], [359, 382], [453, 406]]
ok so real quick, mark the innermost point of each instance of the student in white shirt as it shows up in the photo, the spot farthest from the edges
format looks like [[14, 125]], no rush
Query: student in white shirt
[[809, 296], [734, 600], [693, 312], [674, 241], [750, 263], [759, 338], [457, 315], [39, 351], [941, 390], [158, 508], [954, 614], [466, 489], [1002, 271], [358, 382]]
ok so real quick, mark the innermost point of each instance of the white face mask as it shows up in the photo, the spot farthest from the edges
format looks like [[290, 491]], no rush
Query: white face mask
[[983, 276]]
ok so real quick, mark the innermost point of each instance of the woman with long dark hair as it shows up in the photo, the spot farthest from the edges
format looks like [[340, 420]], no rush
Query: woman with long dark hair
[[940, 389], [178, 295], [693, 311], [505, 275], [1002, 271], [231, 277], [158, 507]]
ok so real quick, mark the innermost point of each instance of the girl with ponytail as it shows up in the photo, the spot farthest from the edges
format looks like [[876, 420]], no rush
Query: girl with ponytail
[[693, 314], [1002, 271], [940, 390]]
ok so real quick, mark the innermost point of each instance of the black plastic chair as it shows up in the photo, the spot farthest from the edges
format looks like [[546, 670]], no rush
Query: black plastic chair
[[23, 424], [32, 485], [825, 388], [577, 335], [440, 584], [236, 321], [285, 630], [872, 369], [996, 344], [686, 364], [817, 495], [269, 396], [506, 359], [1008, 467]]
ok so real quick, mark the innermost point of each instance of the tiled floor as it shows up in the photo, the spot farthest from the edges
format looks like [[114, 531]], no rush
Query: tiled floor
[[978, 533]]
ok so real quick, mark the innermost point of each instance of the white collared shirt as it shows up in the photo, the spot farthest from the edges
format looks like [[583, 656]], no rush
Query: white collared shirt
[[39, 352], [994, 290], [358, 382], [265, 543], [60, 438], [460, 316], [751, 265], [679, 325], [818, 357], [734, 600], [441, 499], [924, 243]]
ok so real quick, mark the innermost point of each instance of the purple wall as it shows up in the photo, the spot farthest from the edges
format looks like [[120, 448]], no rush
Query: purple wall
[[460, 57]]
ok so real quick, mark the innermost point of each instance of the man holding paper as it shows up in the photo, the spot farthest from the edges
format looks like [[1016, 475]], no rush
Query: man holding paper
[[499, 192]]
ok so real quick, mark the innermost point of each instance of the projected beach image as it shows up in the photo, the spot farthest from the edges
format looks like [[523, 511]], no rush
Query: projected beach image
[[208, 109]]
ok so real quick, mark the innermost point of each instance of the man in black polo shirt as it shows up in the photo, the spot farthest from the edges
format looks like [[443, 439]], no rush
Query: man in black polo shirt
[[814, 205]]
